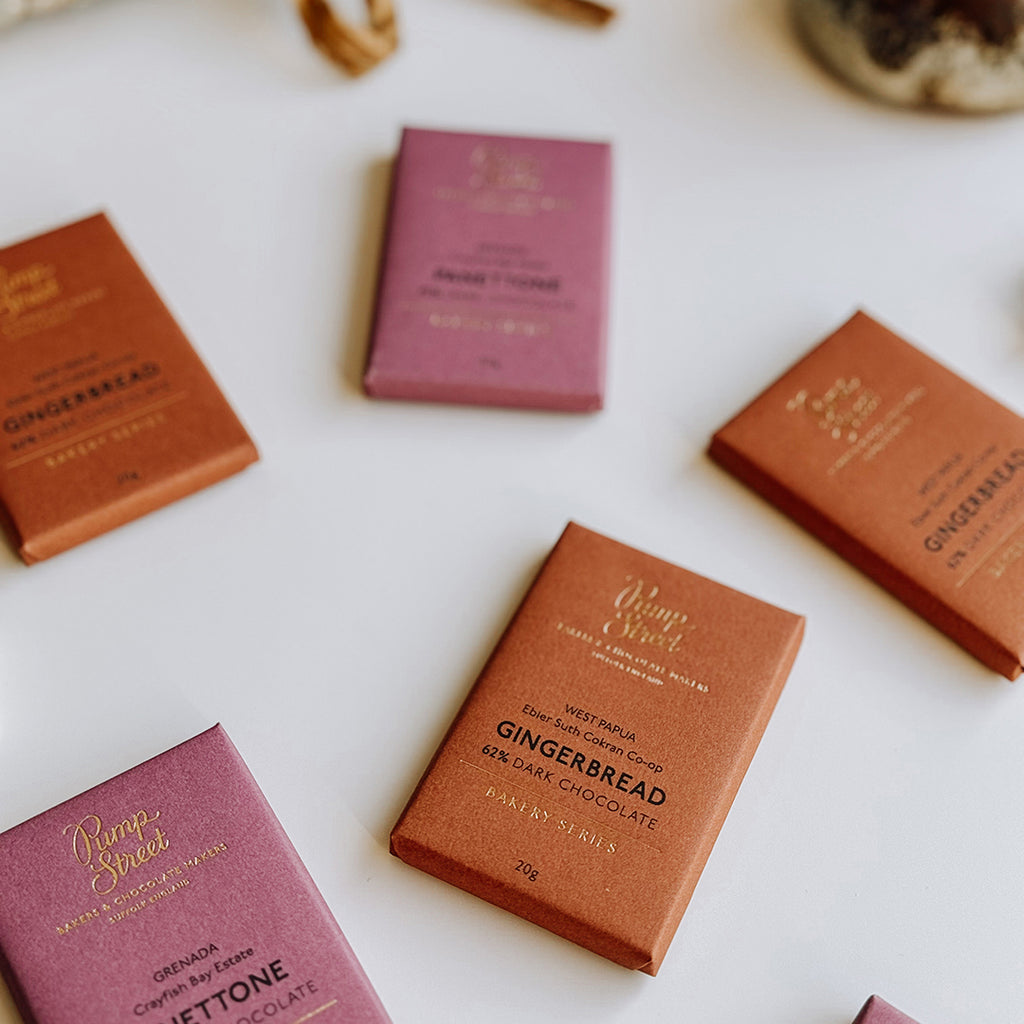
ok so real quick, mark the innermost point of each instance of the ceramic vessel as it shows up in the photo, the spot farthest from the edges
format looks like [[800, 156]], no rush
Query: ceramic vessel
[[962, 55]]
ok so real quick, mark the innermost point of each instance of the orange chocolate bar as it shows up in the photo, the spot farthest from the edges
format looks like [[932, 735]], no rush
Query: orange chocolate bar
[[587, 775], [906, 470], [106, 411]]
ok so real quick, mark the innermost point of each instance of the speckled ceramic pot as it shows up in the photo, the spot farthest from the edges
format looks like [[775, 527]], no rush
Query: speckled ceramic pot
[[964, 55]]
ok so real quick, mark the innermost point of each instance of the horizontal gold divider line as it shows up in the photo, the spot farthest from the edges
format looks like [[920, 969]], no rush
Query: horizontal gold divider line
[[319, 1009], [93, 431]]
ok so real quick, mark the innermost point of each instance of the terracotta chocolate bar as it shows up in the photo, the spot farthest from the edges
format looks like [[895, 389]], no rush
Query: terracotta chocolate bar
[[906, 470], [106, 412], [878, 1011], [586, 778], [171, 895]]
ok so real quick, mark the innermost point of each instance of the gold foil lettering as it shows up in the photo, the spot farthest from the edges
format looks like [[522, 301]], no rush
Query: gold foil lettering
[[27, 288], [93, 847], [641, 618], [841, 411]]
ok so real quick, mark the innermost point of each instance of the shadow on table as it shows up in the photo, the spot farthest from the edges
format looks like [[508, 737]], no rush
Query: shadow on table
[[9, 562], [1016, 306], [419, 758], [362, 291], [8, 1011]]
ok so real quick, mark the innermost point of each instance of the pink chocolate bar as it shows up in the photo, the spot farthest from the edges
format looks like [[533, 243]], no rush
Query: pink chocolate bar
[[495, 275], [878, 1011], [171, 895]]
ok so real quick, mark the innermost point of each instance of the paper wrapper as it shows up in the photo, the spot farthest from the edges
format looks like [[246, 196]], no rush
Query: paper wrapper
[[587, 775]]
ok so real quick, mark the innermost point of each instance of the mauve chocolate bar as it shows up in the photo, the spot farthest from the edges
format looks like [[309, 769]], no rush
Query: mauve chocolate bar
[[905, 469], [494, 282], [878, 1011], [106, 411], [171, 895], [589, 771]]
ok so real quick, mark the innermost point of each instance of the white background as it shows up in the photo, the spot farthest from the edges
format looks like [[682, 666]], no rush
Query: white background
[[332, 605]]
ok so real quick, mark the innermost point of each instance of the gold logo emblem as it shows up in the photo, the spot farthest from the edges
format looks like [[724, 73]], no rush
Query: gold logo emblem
[[494, 167], [102, 850], [25, 289], [640, 616], [842, 410]]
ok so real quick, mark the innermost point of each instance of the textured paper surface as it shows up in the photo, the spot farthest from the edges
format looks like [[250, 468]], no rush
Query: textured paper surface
[[905, 469], [106, 411], [216, 919], [648, 689], [878, 1011], [495, 274]]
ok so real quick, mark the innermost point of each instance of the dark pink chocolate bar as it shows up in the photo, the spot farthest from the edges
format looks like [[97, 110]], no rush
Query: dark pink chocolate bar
[[495, 275], [171, 895], [878, 1011]]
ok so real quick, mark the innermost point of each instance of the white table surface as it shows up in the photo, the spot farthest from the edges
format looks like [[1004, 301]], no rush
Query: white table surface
[[332, 605]]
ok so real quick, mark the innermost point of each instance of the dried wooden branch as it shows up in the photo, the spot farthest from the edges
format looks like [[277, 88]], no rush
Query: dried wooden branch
[[586, 11], [356, 48]]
